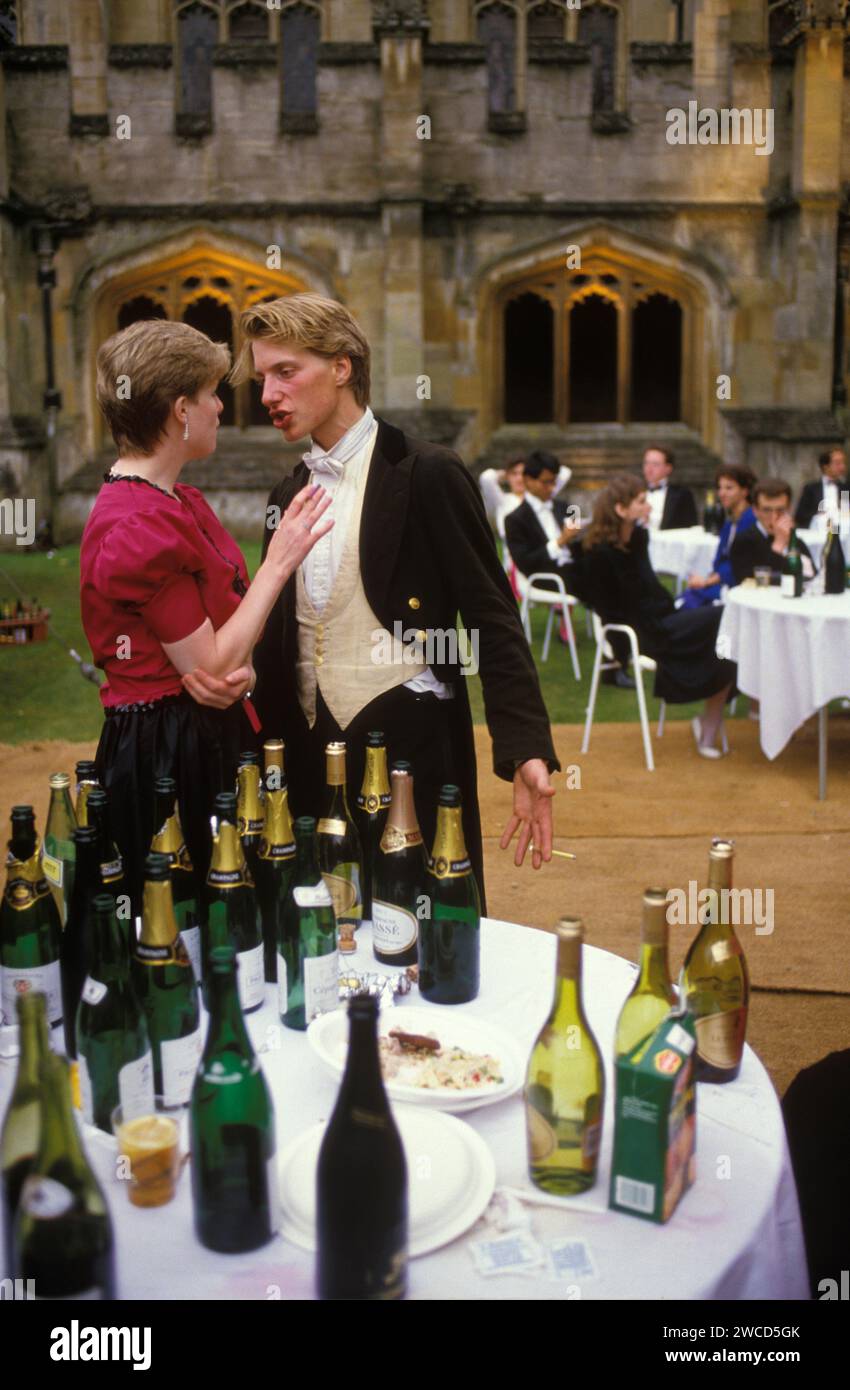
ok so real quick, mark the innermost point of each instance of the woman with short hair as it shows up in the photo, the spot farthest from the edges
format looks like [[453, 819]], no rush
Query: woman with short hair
[[164, 589], [622, 587]]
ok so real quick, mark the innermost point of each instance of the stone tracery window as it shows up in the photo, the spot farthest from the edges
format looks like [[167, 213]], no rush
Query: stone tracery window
[[8, 23], [574, 345], [207, 289]]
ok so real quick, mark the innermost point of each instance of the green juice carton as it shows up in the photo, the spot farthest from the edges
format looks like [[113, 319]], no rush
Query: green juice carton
[[654, 1160]]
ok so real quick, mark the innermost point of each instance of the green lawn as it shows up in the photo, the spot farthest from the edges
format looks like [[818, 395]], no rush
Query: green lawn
[[44, 695]]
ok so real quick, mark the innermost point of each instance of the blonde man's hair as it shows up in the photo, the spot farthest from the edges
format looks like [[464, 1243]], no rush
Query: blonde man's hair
[[143, 369], [310, 321]]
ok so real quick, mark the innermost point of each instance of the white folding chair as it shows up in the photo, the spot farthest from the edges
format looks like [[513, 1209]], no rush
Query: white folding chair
[[639, 665], [555, 599]]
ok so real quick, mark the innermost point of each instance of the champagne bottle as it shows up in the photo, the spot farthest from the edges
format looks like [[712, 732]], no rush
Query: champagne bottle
[[307, 961], [340, 854], [276, 858], [30, 924], [22, 1121], [62, 1236], [249, 809], [232, 1127], [162, 975], [652, 995], [113, 1043], [565, 1087], [232, 918], [401, 878], [58, 851], [832, 562], [373, 805], [111, 864], [791, 582], [79, 929], [715, 982], [169, 840], [361, 1180], [450, 932], [86, 774]]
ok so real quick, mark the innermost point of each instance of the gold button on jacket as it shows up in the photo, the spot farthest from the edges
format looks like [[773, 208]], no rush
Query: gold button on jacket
[[413, 603]]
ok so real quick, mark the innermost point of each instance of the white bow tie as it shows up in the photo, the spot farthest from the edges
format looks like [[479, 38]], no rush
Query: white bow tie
[[324, 465]]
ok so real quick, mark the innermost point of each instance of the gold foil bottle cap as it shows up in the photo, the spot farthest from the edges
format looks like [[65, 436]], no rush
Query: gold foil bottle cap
[[654, 922], [59, 780], [335, 759], [570, 934], [273, 754]]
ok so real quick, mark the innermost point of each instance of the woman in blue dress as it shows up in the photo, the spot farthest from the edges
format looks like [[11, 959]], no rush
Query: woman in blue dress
[[734, 488]]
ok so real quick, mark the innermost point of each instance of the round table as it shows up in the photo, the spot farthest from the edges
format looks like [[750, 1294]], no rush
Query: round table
[[736, 1237], [687, 550], [793, 656]]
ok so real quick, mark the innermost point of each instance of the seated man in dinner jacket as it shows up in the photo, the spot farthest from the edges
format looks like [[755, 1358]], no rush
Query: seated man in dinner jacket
[[766, 544], [540, 538], [671, 505]]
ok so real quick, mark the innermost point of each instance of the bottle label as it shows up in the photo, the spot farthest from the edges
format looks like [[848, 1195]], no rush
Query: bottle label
[[149, 955], [282, 986], [93, 991], [44, 1198], [329, 825], [449, 868], [226, 878], [135, 1087], [720, 1038], [180, 1058], [394, 929], [343, 884], [45, 978], [53, 868], [372, 802], [786, 586], [112, 870], [276, 852], [394, 839], [249, 826], [192, 941], [251, 977], [315, 895], [321, 985], [85, 1090], [21, 893], [274, 1192]]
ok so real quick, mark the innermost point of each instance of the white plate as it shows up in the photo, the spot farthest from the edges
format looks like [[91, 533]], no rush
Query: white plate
[[450, 1174], [328, 1037]]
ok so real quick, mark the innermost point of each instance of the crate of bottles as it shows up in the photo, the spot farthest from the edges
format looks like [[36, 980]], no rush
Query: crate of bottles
[[21, 623]]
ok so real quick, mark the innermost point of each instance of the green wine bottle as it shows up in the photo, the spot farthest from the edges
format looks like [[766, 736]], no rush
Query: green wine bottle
[[232, 1127], [30, 924], [400, 884], [715, 983], [113, 1043], [111, 864], [164, 982], [58, 851], [276, 858], [62, 1237], [249, 808], [232, 917], [340, 855], [373, 805], [22, 1122], [79, 929], [791, 582], [832, 564], [565, 1087], [361, 1179], [652, 995], [168, 839], [86, 775], [307, 961], [450, 930]]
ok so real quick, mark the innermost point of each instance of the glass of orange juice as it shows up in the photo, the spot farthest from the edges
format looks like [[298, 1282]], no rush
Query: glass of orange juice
[[149, 1152]]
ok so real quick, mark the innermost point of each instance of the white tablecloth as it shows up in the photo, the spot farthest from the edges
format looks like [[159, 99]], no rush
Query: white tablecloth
[[688, 550], [793, 655], [735, 1235]]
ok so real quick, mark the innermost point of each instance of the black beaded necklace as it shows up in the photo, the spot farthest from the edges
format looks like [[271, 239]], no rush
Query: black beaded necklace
[[237, 584]]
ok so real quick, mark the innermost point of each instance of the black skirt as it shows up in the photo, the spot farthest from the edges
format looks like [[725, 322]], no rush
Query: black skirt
[[683, 645], [172, 737]]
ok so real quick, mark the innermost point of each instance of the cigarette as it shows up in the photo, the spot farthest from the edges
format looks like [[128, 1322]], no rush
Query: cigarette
[[561, 853]]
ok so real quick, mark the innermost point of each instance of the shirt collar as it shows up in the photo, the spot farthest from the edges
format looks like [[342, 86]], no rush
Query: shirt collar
[[539, 506], [346, 447]]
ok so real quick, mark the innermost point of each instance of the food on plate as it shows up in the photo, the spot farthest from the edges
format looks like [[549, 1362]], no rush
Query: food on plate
[[420, 1059]]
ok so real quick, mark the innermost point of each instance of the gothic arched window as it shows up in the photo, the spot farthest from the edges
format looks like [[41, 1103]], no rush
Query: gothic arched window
[[300, 32], [197, 35], [598, 29]]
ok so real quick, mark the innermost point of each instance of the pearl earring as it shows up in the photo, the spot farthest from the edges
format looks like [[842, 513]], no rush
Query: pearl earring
[[186, 427]]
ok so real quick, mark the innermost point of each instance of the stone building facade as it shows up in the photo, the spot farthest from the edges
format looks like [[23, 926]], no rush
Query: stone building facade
[[584, 225]]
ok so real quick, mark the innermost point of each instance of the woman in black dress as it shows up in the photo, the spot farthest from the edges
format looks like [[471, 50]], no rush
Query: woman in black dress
[[622, 587]]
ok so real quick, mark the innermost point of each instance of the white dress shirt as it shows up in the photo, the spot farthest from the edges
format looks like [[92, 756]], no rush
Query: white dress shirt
[[545, 513], [657, 496], [339, 471]]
